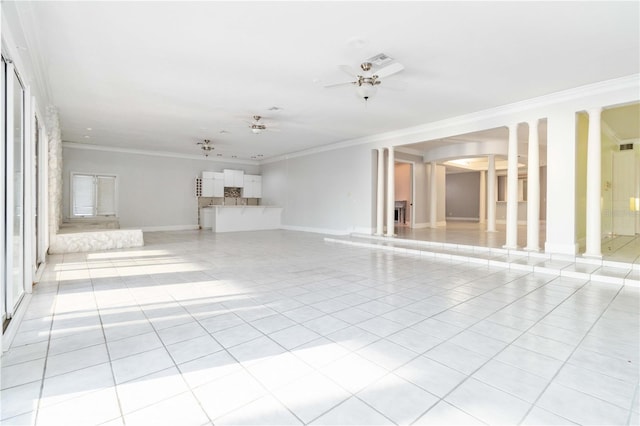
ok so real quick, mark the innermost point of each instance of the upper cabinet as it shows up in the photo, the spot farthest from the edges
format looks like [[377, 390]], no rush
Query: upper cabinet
[[212, 184], [233, 178], [252, 186]]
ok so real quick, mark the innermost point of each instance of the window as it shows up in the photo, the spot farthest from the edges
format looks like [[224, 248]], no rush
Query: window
[[93, 195]]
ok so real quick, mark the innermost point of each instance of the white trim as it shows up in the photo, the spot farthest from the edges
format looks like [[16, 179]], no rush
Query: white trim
[[463, 219], [167, 228], [3, 182], [409, 151], [75, 145], [441, 223], [43, 193], [555, 249], [504, 221], [422, 225], [28, 226]]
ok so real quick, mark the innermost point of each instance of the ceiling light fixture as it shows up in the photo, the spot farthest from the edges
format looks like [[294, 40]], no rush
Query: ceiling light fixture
[[366, 86], [206, 147], [256, 127]]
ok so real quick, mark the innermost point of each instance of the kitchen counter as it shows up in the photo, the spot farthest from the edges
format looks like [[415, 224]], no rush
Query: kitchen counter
[[245, 218]]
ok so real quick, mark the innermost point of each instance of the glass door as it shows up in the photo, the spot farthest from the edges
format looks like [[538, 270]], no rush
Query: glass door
[[14, 200]]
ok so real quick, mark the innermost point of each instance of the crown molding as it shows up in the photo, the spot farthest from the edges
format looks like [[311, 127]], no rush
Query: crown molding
[[607, 130], [76, 145], [417, 133]]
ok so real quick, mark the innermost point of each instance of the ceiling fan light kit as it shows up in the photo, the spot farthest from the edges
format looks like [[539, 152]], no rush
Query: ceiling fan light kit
[[206, 147], [373, 69]]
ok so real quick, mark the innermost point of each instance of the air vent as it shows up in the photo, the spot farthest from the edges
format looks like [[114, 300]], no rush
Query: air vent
[[380, 59], [626, 146]]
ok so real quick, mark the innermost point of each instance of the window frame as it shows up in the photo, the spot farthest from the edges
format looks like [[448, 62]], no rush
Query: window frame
[[97, 195]]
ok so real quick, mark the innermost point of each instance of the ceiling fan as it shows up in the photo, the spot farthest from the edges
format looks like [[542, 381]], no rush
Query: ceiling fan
[[258, 127], [368, 78], [206, 146]]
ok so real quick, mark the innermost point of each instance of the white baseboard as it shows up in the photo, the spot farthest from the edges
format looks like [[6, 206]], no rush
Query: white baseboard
[[463, 219], [504, 222], [421, 225], [441, 223], [169, 228], [570, 249]]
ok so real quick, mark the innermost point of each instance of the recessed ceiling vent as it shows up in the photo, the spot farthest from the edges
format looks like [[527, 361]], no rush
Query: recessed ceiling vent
[[380, 59], [626, 146]]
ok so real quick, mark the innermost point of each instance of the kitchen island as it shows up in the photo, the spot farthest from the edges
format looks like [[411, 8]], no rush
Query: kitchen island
[[245, 218]]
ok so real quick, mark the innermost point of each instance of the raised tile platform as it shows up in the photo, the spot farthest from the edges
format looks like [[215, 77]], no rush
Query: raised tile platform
[[561, 265], [106, 239]]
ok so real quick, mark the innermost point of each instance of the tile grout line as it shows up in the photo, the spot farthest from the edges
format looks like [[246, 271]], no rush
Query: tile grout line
[[635, 395], [503, 349], [244, 368], [164, 346], [571, 354], [46, 359], [106, 347]]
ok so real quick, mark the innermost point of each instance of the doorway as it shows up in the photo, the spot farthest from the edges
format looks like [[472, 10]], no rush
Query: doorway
[[624, 192], [404, 194]]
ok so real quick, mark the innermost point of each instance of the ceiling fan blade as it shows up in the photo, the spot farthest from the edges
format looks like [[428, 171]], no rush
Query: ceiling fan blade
[[389, 70], [339, 84], [394, 85], [349, 70]]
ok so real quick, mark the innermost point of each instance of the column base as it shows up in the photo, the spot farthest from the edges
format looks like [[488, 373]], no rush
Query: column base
[[592, 255], [510, 247], [532, 249], [491, 230], [390, 235]]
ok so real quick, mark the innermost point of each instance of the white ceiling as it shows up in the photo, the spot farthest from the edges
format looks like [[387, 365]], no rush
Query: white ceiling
[[165, 75]]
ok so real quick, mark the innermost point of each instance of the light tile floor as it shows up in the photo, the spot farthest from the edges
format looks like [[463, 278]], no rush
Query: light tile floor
[[614, 248], [279, 327]]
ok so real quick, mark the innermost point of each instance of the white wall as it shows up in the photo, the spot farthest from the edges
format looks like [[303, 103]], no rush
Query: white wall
[[153, 191], [322, 192]]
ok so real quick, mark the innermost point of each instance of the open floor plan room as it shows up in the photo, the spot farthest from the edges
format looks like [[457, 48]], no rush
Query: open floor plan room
[[319, 212], [281, 327]]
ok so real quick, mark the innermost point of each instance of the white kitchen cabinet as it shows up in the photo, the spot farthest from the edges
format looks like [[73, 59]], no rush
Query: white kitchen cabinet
[[206, 217], [252, 186], [212, 184], [233, 178]]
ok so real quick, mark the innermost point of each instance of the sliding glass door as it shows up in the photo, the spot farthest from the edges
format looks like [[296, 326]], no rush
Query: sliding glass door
[[13, 159]]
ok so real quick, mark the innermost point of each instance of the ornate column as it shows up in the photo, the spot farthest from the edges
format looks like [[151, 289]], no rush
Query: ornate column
[[512, 189], [380, 196], [483, 197], [533, 189], [391, 198], [491, 194], [594, 172]]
